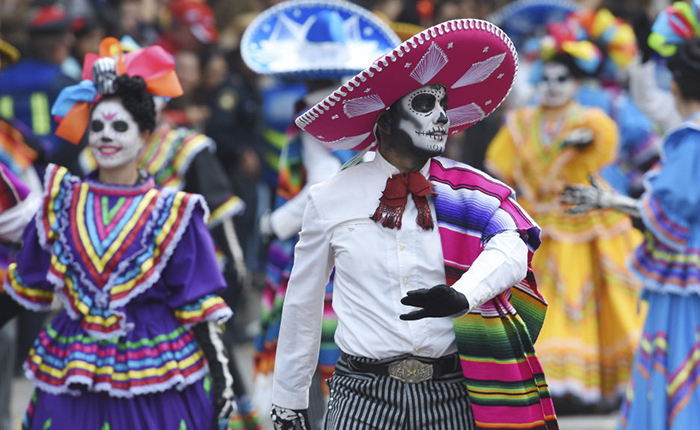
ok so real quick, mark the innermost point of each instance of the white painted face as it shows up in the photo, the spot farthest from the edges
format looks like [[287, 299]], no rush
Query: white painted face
[[558, 85], [114, 137], [425, 118]]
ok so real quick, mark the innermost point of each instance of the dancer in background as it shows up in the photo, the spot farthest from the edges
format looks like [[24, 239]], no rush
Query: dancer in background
[[663, 391], [588, 339], [616, 45], [332, 39], [137, 345]]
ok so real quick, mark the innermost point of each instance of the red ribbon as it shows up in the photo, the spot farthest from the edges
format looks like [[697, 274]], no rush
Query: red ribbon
[[393, 201]]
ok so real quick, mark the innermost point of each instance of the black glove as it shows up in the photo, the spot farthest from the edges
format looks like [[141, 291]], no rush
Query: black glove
[[210, 339], [9, 308], [439, 301], [579, 138], [289, 419]]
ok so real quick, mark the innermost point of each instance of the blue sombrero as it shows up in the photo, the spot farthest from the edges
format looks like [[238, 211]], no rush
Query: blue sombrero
[[320, 39], [523, 19]]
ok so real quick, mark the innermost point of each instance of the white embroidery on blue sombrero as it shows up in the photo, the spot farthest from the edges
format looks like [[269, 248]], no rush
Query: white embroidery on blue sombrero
[[480, 71], [466, 114], [430, 65], [315, 39], [363, 105]]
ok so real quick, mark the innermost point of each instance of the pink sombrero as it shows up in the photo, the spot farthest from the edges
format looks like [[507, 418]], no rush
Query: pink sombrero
[[473, 59]]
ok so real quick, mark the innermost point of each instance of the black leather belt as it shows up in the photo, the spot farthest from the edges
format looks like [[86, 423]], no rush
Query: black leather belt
[[408, 368]]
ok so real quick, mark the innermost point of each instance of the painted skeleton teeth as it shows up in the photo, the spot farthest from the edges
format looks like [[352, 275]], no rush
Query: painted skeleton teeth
[[436, 133]]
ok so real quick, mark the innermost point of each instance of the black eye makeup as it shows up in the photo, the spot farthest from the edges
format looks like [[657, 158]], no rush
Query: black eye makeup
[[560, 79], [423, 103], [120, 126], [97, 125]]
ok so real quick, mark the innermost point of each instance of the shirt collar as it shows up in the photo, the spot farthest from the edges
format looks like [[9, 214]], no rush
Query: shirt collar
[[389, 169]]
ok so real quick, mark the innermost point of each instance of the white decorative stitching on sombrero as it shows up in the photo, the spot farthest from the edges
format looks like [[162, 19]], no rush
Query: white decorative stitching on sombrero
[[480, 71], [465, 114], [363, 105], [348, 142], [430, 65]]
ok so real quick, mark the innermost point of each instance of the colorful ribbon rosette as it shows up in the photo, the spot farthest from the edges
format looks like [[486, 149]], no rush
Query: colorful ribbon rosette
[[674, 25], [155, 65], [597, 41]]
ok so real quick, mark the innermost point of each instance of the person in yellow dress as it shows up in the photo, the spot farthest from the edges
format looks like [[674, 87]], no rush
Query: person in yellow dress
[[588, 340]]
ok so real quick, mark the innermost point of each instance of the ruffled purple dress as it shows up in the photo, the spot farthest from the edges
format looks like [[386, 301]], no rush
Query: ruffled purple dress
[[135, 268]]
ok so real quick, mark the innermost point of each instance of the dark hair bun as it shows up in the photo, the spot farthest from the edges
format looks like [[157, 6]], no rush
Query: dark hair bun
[[685, 66], [132, 92]]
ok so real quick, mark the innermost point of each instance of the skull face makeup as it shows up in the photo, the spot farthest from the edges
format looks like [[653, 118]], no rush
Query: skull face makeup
[[558, 85], [424, 118], [114, 137]]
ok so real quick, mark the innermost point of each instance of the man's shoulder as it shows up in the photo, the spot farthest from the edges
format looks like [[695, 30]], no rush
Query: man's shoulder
[[348, 191]]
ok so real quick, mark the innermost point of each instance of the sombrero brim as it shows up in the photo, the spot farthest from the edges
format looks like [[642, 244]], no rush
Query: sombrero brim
[[473, 59], [276, 42]]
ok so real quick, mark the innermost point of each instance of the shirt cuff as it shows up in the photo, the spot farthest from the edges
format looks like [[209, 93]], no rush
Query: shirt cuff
[[502, 264]]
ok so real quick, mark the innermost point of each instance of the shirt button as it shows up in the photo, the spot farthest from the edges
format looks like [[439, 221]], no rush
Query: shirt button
[[417, 350], [405, 281], [401, 246]]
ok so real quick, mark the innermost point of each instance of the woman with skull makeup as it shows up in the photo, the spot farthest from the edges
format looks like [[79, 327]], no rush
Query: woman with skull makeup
[[138, 344], [587, 342], [426, 288], [663, 391]]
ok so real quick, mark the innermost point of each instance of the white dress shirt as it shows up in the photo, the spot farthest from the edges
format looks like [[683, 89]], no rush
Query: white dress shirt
[[374, 268]]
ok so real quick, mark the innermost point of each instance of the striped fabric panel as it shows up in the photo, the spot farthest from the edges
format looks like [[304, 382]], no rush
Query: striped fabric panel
[[208, 308], [122, 368], [80, 255], [361, 401], [665, 269], [682, 381], [673, 233], [505, 379], [36, 299], [170, 152]]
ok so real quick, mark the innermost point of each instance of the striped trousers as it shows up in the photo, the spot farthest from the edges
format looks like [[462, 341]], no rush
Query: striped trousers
[[366, 401]]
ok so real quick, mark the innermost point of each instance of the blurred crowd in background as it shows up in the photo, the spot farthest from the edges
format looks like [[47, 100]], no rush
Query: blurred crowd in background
[[245, 114]]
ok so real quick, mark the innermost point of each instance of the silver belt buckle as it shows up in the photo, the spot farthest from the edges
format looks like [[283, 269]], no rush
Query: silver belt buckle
[[411, 370]]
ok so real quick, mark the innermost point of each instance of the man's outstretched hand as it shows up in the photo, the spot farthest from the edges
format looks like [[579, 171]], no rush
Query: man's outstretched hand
[[439, 301]]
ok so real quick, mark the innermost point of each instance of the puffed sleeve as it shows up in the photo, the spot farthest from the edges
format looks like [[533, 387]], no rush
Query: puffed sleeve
[[27, 281], [603, 149], [671, 202], [194, 277]]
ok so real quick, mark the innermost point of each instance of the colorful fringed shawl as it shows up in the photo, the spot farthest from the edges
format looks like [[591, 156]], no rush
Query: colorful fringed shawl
[[495, 342]]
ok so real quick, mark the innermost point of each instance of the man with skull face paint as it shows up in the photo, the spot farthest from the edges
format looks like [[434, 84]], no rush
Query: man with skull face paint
[[588, 340], [426, 288], [138, 344]]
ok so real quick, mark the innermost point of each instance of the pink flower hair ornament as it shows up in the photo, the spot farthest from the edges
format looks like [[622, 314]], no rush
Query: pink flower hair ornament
[[153, 64]]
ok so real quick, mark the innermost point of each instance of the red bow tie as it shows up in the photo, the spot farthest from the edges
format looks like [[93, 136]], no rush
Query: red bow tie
[[393, 200]]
